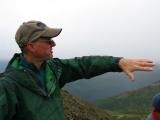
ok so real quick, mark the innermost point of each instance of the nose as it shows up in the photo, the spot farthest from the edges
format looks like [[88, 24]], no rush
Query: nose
[[52, 43]]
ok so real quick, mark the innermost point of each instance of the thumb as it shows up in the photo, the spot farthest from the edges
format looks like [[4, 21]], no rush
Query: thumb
[[131, 75]]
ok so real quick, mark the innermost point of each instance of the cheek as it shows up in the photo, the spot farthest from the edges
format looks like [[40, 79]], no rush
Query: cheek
[[42, 50], [46, 47]]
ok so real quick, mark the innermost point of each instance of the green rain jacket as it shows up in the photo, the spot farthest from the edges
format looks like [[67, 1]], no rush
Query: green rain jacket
[[21, 98]]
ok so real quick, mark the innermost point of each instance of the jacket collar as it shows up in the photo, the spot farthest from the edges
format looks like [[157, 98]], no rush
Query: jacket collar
[[27, 78]]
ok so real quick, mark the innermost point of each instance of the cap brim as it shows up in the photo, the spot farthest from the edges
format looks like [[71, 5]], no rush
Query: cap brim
[[51, 32]]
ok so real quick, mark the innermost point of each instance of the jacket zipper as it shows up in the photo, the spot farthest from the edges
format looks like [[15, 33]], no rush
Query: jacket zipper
[[31, 77]]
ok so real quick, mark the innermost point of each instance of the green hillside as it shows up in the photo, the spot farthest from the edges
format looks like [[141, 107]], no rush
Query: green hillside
[[136, 102], [76, 109]]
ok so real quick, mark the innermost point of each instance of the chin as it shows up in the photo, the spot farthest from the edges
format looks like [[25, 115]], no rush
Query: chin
[[51, 56]]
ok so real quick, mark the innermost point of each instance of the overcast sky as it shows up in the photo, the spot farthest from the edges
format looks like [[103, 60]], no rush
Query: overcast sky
[[129, 28]]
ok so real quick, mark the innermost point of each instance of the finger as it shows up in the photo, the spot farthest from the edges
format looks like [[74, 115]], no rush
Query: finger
[[140, 68], [149, 64], [144, 60], [145, 63], [132, 76]]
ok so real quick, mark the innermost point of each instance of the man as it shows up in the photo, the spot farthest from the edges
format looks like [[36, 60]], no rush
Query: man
[[155, 113], [30, 86]]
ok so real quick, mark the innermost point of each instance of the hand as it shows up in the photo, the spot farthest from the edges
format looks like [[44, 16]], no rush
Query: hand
[[131, 65]]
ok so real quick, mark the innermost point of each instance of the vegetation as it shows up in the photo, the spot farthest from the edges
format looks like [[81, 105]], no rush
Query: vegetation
[[136, 102], [76, 109]]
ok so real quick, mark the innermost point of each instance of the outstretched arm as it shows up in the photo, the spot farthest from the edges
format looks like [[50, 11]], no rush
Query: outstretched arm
[[130, 65]]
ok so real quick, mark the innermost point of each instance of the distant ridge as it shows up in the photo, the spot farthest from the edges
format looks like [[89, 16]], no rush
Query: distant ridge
[[136, 101]]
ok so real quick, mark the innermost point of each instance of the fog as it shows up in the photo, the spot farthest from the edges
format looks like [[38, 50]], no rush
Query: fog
[[90, 27]]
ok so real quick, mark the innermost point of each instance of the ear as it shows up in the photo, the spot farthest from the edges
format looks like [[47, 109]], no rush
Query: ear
[[30, 47]]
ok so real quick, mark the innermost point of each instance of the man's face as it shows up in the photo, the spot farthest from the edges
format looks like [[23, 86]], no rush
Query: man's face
[[42, 48]]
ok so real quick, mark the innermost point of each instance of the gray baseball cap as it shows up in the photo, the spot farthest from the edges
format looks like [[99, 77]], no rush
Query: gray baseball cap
[[32, 30]]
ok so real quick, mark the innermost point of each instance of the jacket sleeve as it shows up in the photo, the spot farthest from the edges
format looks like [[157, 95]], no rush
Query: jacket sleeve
[[6, 103], [88, 66]]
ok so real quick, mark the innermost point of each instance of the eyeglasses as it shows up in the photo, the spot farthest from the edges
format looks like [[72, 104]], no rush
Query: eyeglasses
[[46, 40]]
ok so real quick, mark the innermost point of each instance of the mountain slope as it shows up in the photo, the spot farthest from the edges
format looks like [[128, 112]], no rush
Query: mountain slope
[[75, 109], [132, 102]]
